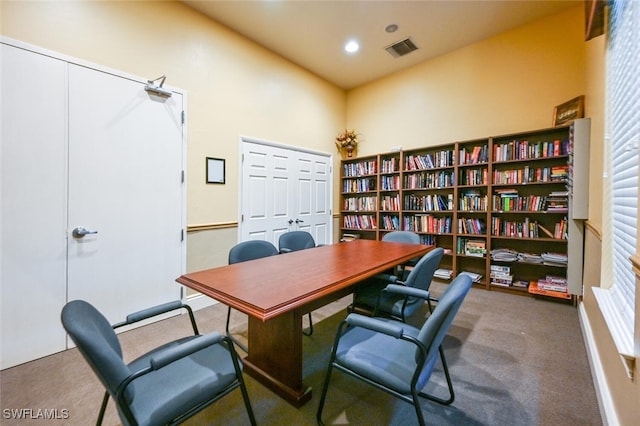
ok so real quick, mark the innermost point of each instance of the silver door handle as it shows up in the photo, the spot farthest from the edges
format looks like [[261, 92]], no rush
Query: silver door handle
[[80, 232]]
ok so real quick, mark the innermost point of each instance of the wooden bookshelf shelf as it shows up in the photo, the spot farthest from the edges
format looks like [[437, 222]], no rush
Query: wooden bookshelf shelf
[[480, 195]]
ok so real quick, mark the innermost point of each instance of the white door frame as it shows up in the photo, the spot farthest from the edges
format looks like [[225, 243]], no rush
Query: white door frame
[[241, 164]]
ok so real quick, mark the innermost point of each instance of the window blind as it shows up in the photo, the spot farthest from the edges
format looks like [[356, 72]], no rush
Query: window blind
[[623, 128]]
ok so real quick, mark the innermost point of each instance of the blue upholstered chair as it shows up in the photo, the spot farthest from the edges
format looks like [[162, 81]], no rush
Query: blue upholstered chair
[[166, 385], [294, 241], [405, 364], [370, 296], [243, 252], [406, 237]]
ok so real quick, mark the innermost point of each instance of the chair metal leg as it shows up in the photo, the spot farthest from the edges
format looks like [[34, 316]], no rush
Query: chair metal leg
[[310, 332], [418, 407], [233, 339], [103, 408], [323, 395], [449, 383]]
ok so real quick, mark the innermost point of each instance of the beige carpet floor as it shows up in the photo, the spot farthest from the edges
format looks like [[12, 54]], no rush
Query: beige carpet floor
[[514, 361]]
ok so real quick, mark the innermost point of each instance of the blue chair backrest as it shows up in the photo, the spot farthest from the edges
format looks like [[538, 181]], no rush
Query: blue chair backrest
[[98, 344], [250, 250], [296, 240], [402, 237], [422, 274], [437, 325]]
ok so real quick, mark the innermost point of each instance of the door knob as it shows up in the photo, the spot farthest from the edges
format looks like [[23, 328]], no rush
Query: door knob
[[290, 221], [80, 232]]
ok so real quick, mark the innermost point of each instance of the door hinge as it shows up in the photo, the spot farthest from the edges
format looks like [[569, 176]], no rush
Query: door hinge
[[182, 234], [182, 176], [182, 117]]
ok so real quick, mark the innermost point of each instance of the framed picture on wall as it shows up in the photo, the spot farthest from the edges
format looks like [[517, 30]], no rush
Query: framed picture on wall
[[215, 170], [567, 112]]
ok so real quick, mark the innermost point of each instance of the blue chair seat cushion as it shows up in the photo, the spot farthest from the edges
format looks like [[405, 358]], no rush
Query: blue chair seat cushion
[[161, 395], [382, 358]]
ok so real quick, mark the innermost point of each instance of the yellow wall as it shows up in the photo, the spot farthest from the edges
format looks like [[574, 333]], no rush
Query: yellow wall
[[507, 83], [234, 87]]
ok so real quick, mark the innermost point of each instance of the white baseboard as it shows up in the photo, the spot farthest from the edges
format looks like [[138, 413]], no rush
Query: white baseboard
[[605, 402], [199, 301]]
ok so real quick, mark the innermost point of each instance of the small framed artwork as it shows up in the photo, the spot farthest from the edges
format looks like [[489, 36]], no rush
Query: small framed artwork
[[567, 112], [215, 170]]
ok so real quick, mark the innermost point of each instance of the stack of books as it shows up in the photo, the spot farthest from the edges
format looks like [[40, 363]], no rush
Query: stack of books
[[444, 274], [474, 277], [530, 258], [501, 276], [554, 283], [555, 259], [504, 255], [476, 248]]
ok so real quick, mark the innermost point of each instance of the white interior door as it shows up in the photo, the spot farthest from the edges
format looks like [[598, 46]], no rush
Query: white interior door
[[33, 204], [83, 148], [284, 189], [313, 199], [125, 183]]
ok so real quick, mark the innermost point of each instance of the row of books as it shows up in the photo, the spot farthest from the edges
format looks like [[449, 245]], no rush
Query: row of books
[[361, 168], [390, 203], [501, 227], [476, 155], [509, 200], [431, 202], [531, 175], [427, 223], [430, 161], [474, 177], [390, 183], [390, 222], [472, 226], [473, 200], [359, 204], [525, 150], [432, 180], [358, 185], [359, 221], [389, 165]]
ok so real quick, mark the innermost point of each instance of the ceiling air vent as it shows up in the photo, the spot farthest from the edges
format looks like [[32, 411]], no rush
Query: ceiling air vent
[[401, 48]]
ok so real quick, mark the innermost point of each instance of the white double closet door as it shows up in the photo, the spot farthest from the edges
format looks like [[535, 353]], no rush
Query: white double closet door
[[283, 189], [84, 148]]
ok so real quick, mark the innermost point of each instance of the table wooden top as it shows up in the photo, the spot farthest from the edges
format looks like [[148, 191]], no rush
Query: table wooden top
[[267, 287]]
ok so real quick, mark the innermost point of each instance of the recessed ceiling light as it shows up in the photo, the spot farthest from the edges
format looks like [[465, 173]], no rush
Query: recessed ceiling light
[[352, 46], [391, 28]]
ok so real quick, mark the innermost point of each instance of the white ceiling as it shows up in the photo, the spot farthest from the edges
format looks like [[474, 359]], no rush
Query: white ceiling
[[311, 33]]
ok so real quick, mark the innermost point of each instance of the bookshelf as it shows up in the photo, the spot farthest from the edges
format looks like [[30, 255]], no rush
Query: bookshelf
[[508, 209]]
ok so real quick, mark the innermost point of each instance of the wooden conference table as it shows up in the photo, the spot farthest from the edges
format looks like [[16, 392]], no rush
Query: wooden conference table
[[277, 291]]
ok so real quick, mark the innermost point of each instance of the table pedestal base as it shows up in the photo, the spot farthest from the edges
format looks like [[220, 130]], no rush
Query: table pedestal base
[[275, 356]]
